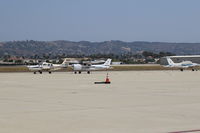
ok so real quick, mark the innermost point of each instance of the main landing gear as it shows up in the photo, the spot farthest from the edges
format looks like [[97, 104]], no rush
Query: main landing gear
[[75, 72], [192, 69], [40, 72], [79, 72]]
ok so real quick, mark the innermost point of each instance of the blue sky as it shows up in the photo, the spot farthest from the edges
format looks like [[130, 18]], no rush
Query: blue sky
[[100, 20]]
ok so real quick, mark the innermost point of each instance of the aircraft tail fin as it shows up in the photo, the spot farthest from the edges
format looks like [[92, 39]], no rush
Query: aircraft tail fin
[[65, 63], [169, 60], [108, 62]]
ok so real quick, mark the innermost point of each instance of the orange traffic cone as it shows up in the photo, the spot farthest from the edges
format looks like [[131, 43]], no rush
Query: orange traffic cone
[[107, 79], [104, 82]]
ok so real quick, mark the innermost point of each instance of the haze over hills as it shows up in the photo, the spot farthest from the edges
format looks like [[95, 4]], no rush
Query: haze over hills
[[30, 48]]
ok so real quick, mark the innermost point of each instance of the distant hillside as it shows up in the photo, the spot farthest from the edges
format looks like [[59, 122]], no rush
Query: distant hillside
[[29, 48]]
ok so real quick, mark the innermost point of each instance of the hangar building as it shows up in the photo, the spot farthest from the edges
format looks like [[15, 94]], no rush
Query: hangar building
[[178, 59]]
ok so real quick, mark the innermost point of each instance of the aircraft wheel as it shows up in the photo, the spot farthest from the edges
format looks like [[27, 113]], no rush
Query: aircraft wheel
[[34, 72], [40, 72], [79, 72], [88, 72], [75, 72], [192, 69], [49, 72], [181, 70]]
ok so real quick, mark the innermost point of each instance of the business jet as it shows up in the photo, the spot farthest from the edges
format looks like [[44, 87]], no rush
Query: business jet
[[88, 67], [49, 67], [182, 65]]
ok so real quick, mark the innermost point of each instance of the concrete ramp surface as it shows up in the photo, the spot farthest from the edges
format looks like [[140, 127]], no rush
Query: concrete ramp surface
[[135, 102]]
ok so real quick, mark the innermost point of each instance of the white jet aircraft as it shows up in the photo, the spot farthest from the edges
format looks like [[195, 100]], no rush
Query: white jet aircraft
[[44, 66], [182, 65], [79, 68]]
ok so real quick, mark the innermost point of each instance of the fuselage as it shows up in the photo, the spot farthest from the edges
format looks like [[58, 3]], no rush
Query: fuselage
[[181, 65], [45, 67], [99, 67], [185, 64], [79, 67]]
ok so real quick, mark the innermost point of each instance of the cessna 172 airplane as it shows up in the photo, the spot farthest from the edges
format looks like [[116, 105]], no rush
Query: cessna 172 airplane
[[44, 66], [182, 65], [79, 68]]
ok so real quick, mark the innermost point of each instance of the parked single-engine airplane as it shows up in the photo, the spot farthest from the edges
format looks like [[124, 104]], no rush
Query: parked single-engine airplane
[[79, 68], [49, 67], [182, 65]]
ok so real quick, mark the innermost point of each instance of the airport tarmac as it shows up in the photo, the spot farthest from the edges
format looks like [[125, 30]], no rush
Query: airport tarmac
[[134, 102]]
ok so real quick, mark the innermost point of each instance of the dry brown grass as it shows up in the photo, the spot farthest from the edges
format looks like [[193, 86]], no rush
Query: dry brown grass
[[114, 68], [138, 68], [14, 69], [24, 69]]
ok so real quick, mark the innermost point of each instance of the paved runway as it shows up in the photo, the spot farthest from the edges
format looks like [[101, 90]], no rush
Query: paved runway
[[135, 102]]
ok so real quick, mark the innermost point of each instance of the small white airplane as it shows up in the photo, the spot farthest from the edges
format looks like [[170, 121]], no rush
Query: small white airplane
[[182, 65], [79, 68], [44, 66]]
